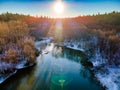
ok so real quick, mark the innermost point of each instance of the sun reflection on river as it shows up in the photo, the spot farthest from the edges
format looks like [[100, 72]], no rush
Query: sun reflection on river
[[58, 31], [57, 51], [60, 69]]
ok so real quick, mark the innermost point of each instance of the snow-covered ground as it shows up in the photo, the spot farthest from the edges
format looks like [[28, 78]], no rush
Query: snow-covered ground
[[75, 48], [11, 69], [111, 79], [45, 40], [7, 69], [21, 64], [5, 66], [74, 45], [3, 77], [109, 76]]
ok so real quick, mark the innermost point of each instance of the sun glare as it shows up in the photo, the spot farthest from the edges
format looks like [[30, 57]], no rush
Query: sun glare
[[59, 7]]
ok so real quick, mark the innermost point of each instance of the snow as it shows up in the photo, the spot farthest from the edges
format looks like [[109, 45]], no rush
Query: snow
[[5, 66], [111, 80], [108, 76], [97, 58], [74, 45], [21, 64], [75, 48], [66, 44], [3, 77], [45, 40]]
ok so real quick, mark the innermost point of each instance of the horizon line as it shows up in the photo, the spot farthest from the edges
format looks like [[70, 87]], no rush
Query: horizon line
[[47, 16]]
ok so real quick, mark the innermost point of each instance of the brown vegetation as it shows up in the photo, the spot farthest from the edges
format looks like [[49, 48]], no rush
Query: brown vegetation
[[18, 29]]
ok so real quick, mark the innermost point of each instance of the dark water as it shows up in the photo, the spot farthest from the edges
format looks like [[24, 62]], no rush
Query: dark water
[[60, 69]]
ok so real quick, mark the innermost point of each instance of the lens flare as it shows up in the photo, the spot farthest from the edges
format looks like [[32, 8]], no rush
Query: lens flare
[[59, 7]]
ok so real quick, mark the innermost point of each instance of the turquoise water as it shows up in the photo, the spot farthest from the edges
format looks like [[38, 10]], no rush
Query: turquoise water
[[60, 69]]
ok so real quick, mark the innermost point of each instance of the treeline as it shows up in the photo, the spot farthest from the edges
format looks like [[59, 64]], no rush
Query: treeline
[[38, 26], [99, 33], [5, 17], [16, 43], [103, 34], [101, 21]]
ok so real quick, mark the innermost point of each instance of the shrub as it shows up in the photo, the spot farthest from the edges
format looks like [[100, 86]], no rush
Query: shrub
[[11, 56], [29, 52]]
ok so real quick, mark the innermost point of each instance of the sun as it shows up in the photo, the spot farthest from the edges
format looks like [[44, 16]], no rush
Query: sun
[[58, 7]]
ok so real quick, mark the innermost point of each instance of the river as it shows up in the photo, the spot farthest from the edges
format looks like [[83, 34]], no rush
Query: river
[[57, 69]]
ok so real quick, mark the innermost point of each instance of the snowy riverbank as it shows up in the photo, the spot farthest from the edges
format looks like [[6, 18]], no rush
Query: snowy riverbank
[[43, 42], [75, 46], [108, 76], [9, 69]]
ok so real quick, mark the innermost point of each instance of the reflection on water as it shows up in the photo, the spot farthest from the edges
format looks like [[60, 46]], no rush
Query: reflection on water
[[57, 51], [60, 69]]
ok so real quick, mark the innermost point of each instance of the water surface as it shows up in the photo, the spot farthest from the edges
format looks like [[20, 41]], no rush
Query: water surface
[[60, 69]]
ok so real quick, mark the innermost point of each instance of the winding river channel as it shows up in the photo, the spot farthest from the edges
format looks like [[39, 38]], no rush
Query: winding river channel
[[58, 68]]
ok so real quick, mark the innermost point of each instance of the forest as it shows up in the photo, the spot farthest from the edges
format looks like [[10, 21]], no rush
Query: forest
[[98, 35]]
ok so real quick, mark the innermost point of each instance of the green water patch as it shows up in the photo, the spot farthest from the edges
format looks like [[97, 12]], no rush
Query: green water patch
[[59, 82]]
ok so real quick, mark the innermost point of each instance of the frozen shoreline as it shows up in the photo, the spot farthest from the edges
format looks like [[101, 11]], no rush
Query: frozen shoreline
[[4, 77], [74, 46], [22, 64], [109, 77], [67, 45]]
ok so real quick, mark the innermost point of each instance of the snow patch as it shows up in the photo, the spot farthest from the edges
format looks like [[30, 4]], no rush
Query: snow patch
[[111, 80], [45, 40], [21, 64], [74, 45], [75, 48], [5, 66], [3, 77], [10, 66]]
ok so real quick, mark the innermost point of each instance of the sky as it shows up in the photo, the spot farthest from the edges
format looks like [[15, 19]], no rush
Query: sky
[[71, 7]]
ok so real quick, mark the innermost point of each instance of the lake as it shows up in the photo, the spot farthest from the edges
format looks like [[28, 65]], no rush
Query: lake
[[58, 68]]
